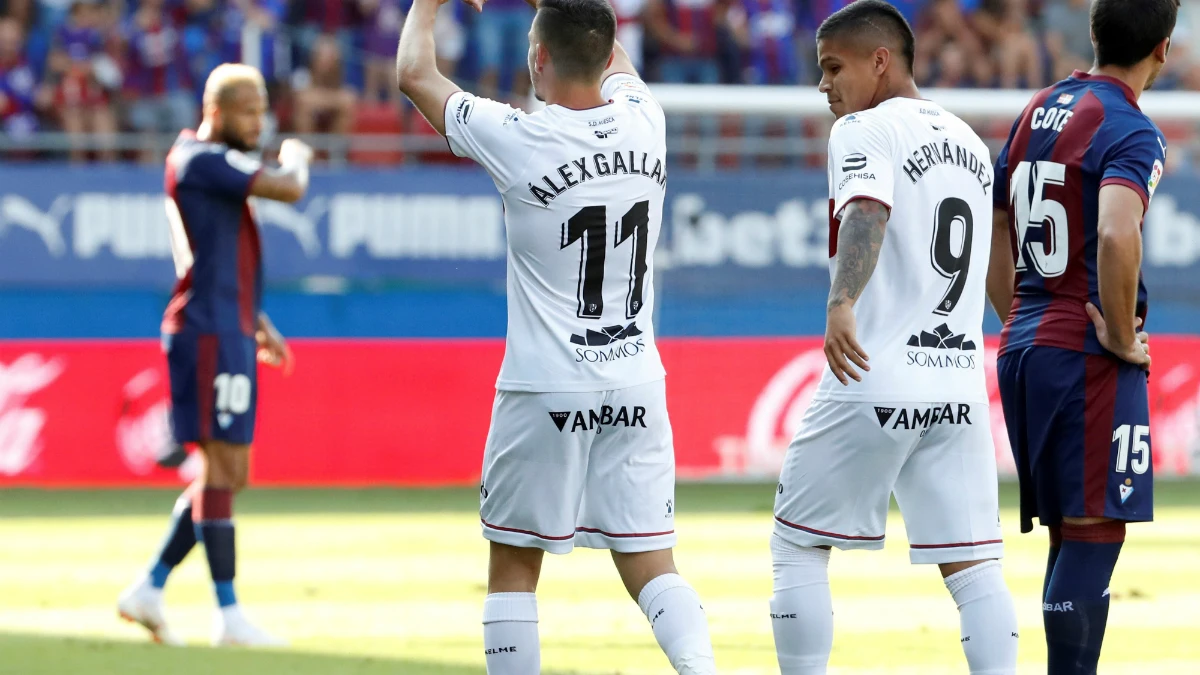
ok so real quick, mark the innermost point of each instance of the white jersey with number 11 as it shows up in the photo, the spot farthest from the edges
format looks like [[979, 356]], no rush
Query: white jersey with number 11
[[583, 199]]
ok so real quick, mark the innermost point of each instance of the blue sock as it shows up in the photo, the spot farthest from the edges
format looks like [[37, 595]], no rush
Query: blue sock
[[1075, 610], [213, 513], [1051, 557], [180, 539]]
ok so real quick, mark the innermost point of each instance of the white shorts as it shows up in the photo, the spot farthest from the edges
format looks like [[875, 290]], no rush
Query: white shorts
[[594, 469], [937, 458]]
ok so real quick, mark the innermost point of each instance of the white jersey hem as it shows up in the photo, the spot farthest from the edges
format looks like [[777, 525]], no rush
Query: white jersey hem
[[906, 397], [577, 387]]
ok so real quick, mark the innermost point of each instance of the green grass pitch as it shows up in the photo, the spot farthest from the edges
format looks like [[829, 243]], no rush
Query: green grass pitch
[[392, 581]]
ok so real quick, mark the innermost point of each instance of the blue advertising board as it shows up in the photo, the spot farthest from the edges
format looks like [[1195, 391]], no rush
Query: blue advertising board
[[735, 245]]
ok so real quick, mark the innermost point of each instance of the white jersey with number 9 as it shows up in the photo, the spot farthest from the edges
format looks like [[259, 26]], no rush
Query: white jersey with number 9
[[920, 317]]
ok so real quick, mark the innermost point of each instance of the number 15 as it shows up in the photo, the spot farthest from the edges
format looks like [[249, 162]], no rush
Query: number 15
[[1141, 448]]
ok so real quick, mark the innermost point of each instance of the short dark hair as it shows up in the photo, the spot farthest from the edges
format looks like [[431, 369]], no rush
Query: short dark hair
[[865, 18], [579, 34], [1127, 31]]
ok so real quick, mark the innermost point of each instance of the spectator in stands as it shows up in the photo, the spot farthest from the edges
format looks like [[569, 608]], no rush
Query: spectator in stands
[[335, 19], [263, 16], [766, 31], [84, 74], [685, 34], [951, 68], [630, 32], [501, 37], [20, 11], [158, 79], [1008, 34], [384, 19], [325, 104], [1068, 36], [944, 23], [20, 94]]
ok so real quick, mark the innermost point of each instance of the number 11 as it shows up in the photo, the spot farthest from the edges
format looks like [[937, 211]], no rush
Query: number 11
[[590, 227]]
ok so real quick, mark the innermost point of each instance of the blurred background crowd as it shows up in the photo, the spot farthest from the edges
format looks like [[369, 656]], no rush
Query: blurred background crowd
[[107, 66]]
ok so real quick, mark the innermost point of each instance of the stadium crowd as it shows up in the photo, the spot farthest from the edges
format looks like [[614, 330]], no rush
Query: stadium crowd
[[102, 66]]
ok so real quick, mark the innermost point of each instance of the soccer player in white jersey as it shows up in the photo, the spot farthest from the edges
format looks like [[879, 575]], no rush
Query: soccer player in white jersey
[[580, 449], [910, 213]]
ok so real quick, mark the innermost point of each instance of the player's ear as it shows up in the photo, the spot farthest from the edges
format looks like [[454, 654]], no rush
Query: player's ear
[[611, 57], [1161, 51], [883, 56], [541, 57]]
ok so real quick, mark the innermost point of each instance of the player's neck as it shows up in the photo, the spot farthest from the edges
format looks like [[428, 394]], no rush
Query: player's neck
[[576, 96], [903, 89], [1134, 78]]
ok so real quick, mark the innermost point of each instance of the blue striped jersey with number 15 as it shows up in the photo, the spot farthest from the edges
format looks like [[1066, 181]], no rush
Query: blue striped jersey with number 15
[[920, 316], [1073, 138]]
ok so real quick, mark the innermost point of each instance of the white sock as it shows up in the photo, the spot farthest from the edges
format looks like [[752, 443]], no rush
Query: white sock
[[801, 608], [510, 634], [989, 621], [679, 624]]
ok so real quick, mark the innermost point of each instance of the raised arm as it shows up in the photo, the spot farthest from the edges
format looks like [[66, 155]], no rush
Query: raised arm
[[621, 63], [417, 75], [1002, 270], [289, 182]]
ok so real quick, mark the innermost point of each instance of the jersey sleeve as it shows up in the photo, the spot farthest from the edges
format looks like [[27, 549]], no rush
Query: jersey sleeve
[[230, 173], [860, 162], [1136, 161], [486, 131], [630, 90]]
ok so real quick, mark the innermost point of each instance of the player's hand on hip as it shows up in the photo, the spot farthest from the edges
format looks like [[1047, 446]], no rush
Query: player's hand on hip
[[842, 350], [295, 150], [1136, 352]]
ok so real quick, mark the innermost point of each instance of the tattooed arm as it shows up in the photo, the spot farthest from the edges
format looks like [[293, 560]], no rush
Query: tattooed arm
[[860, 239]]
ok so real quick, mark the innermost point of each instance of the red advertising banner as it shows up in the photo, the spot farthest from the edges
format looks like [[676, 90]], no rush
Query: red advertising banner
[[416, 412]]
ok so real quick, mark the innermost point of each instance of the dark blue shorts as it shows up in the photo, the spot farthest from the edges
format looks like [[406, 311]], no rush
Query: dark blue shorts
[[1079, 425], [214, 386]]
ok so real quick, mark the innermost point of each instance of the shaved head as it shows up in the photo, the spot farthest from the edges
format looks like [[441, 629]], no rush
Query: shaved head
[[867, 25]]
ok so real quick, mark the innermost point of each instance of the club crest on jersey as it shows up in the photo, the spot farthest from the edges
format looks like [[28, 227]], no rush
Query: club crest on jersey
[[1126, 490], [592, 420], [854, 162], [1155, 176]]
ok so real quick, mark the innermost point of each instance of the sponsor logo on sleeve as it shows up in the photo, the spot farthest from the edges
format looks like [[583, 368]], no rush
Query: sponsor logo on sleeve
[[1155, 176], [855, 161], [465, 107]]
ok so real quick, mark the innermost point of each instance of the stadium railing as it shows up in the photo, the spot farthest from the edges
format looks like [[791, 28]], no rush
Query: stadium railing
[[717, 121]]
